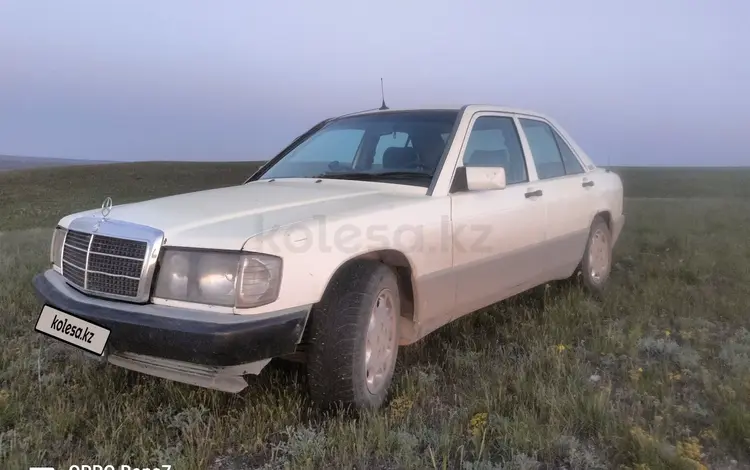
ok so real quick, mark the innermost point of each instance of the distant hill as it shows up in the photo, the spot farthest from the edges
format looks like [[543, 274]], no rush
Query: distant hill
[[9, 162]]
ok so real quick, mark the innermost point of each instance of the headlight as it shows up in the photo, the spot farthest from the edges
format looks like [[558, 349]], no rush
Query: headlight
[[58, 238], [219, 278]]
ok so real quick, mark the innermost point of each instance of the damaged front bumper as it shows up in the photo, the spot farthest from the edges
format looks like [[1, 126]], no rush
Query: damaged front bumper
[[212, 350]]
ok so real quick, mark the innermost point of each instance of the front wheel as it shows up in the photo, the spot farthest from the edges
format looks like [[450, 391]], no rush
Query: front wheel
[[353, 340]]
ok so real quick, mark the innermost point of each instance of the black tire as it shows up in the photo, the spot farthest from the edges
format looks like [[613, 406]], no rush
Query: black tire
[[595, 278], [338, 335]]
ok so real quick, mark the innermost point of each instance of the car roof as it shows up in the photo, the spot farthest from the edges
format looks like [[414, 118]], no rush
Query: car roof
[[469, 108]]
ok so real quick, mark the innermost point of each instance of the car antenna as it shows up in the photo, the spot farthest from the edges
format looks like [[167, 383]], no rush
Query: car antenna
[[383, 107]]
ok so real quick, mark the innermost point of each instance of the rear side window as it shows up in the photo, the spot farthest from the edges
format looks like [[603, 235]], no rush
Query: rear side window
[[547, 158], [572, 165]]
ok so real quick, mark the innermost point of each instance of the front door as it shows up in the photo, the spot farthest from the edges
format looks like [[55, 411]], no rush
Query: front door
[[497, 234]]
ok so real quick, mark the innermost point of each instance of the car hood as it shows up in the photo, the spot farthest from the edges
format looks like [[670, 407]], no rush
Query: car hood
[[226, 218]]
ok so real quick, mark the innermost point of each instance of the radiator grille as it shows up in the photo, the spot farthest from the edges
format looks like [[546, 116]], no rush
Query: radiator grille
[[103, 264]]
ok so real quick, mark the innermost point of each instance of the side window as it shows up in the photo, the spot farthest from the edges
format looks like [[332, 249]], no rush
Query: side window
[[494, 141], [547, 158], [572, 165], [386, 141], [336, 144]]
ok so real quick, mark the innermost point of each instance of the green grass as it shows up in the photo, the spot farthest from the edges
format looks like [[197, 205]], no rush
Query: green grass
[[42, 196], [685, 182], [656, 375]]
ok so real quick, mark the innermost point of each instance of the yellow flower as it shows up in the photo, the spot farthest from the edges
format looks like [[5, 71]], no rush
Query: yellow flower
[[709, 435], [690, 448], [561, 348], [400, 407], [667, 333], [478, 423], [640, 435]]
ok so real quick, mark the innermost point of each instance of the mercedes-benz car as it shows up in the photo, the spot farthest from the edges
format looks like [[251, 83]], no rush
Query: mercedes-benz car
[[367, 233]]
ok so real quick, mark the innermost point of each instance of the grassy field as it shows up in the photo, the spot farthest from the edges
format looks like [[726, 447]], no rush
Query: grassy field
[[656, 375]]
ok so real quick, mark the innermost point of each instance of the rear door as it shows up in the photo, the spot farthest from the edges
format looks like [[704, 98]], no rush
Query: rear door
[[566, 186]]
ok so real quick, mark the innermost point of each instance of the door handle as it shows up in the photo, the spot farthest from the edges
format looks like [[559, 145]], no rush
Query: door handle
[[587, 184], [536, 193]]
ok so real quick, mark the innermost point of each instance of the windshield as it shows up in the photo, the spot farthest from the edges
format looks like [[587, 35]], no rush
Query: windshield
[[388, 146]]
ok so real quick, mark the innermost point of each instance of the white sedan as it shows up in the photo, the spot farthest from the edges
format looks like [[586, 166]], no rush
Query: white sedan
[[366, 233]]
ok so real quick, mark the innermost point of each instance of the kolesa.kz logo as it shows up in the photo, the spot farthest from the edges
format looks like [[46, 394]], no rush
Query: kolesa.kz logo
[[75, 331]]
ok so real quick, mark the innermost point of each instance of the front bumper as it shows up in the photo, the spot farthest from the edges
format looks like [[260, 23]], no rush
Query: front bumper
[[187, 336]]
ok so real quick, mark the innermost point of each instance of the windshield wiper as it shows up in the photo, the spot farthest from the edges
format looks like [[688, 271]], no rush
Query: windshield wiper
[[378, 175]]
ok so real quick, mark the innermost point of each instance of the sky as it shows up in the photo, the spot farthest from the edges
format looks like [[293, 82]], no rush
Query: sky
[[636, 82]]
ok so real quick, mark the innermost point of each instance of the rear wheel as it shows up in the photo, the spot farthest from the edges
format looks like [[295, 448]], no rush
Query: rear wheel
[[353, 337], [596, 264]]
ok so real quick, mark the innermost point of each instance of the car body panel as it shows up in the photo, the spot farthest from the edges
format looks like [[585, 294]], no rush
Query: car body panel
[[313, 249]]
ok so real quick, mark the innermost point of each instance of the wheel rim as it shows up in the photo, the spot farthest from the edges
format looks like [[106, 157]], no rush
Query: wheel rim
[[380, 349], [599, 256]]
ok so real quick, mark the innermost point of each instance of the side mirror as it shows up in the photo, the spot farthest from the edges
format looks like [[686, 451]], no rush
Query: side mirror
[[482, 178]]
